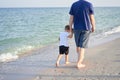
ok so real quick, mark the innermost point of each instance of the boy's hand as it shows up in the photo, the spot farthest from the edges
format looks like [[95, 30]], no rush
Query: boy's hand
[[72, 31], [71, 35]]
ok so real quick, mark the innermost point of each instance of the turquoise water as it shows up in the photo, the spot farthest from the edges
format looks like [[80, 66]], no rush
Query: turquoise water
[[23, 29]]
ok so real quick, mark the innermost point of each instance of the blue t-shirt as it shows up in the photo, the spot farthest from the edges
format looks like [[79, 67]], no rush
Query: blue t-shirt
[[81, 11]]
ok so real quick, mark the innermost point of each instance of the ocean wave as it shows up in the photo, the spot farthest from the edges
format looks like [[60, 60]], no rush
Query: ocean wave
[[114, 30], [105, 33], [10, 56]]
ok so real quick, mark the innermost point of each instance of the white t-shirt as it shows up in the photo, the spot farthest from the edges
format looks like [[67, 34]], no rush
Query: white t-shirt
[[64, 39]]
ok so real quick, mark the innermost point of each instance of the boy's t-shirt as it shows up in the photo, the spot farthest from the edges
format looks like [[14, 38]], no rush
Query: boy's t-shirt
[[64, 39]]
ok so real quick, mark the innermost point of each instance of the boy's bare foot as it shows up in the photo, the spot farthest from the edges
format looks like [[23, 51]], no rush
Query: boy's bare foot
[[67, 62], [80, 66], [57, 64]]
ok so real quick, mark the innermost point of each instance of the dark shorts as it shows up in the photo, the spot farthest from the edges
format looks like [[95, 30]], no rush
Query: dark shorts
[[81, 38], [63, 50]]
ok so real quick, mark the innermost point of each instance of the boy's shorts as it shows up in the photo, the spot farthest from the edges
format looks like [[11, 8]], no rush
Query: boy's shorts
[[82, 38], [63, 50]]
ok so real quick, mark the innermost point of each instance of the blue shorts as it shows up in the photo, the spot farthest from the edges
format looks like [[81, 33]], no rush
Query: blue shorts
[[81, 38]]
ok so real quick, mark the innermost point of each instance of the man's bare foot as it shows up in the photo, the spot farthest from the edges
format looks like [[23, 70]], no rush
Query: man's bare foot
[[57, 64], [80, 66], [67, 62]]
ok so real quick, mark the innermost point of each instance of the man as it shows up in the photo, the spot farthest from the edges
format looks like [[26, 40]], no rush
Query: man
[[82, 16]]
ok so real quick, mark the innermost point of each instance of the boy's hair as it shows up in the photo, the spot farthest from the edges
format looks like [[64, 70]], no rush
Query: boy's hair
[[67, 27]]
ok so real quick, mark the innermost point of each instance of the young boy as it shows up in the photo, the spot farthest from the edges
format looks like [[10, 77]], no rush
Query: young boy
[[64, 48]]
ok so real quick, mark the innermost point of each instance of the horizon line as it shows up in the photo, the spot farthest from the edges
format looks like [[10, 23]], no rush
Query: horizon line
[[54, 7]]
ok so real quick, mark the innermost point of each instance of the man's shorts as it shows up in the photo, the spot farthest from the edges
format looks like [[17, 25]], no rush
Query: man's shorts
[[63, 50], [81, 38]]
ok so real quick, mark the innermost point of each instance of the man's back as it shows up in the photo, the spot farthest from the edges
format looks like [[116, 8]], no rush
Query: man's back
[[81, 10]]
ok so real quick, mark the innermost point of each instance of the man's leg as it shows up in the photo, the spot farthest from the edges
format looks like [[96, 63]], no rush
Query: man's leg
[[77, 49], [81, 39], [80, 52]]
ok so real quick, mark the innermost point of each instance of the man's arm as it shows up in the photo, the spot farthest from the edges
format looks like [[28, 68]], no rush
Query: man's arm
[[71, 22], [92, 19]]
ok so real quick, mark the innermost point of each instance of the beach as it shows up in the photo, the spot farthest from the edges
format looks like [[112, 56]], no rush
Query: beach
[[29, 45], [102, 63]]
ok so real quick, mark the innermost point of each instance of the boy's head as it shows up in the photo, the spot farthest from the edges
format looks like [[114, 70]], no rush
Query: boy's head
[[67, 28]]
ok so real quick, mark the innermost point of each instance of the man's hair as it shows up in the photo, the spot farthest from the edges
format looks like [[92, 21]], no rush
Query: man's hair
[[67, 27]]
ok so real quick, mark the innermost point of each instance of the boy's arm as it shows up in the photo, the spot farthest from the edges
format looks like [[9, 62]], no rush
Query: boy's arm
[[71, 35]]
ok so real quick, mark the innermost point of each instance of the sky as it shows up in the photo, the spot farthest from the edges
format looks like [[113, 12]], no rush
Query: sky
[[55, 3]]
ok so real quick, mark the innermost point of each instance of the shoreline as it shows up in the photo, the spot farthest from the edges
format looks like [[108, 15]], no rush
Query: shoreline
[[92, 44], [94, 41], [102, 63]]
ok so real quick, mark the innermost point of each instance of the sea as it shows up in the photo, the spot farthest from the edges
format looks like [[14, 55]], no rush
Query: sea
[[26, 29]]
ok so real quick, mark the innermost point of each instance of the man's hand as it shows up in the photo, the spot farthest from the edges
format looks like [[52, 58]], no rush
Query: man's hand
[[93, 29]]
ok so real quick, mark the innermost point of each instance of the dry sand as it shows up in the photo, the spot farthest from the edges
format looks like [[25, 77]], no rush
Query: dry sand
[[102, 63]]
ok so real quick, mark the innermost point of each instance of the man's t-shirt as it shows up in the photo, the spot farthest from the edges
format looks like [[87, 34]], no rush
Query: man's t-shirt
[[81, 11], [64, 39]]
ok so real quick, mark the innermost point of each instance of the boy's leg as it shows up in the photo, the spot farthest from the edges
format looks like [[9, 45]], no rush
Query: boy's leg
[[58, 59], [81, 52], [66, 55], [66, 59]]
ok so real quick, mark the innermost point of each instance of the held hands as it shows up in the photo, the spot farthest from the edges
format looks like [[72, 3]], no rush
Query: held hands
[[71, 34]]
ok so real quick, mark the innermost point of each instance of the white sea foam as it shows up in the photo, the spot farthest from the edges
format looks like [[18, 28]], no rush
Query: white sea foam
[[114, 30], [5, 57], [107, 33], [8, 57]]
